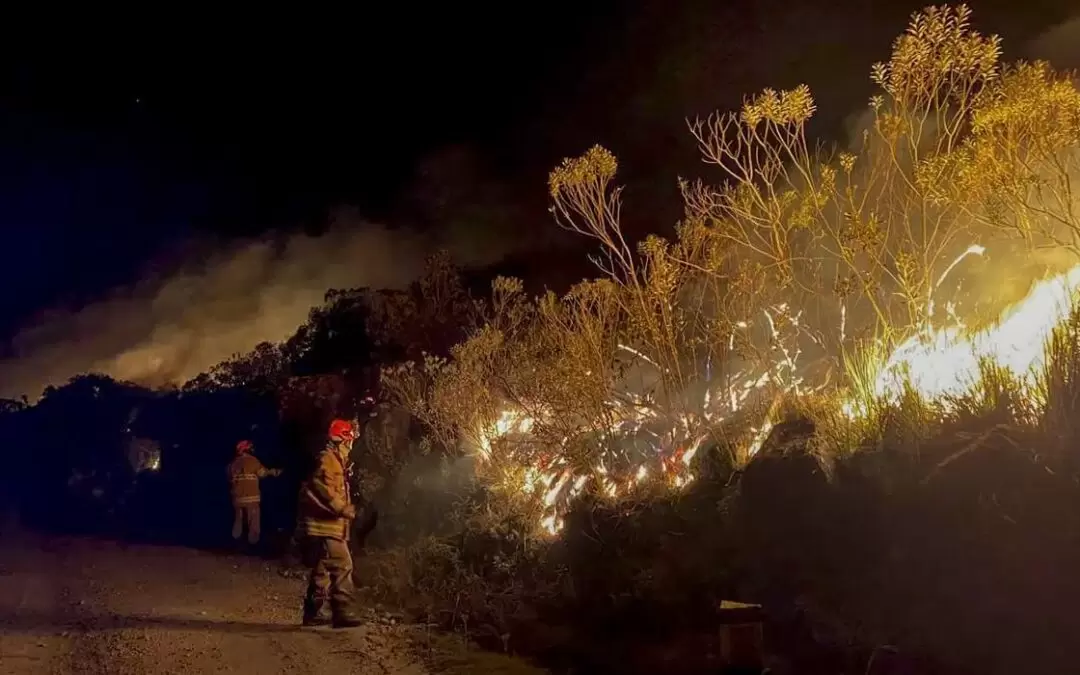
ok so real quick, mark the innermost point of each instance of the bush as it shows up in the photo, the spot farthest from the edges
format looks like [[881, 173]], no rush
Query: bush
[[782, 404]]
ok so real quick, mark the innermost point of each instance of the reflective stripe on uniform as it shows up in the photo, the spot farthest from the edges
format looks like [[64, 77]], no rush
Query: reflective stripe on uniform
[[317, 527]]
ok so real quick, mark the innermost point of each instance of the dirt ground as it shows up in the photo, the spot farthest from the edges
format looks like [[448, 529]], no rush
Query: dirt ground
[[87, 606]]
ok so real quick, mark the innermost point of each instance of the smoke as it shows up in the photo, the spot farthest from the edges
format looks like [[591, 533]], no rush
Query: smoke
[[217, 301], [1060, 45]]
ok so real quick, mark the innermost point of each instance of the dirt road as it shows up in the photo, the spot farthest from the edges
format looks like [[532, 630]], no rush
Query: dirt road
[[84, 606]]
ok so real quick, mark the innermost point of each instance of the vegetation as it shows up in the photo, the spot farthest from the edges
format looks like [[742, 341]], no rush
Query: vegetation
[[816, 396], [808, 293]]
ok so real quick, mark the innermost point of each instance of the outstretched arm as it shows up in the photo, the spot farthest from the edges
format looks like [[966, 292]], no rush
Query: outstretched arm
[[263, 472]]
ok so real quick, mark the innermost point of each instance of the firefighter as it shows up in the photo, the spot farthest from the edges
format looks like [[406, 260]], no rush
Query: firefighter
[[325, 515], [244, 474]]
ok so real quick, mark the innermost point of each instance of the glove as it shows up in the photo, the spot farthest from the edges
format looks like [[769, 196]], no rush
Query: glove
[[349, 512], [276, 472]]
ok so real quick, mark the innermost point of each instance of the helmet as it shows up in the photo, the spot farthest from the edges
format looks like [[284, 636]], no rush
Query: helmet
[[342, 430], [244, 446]]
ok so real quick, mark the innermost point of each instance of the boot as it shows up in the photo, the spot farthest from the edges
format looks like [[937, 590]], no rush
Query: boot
[[313, 614], [346, 618]]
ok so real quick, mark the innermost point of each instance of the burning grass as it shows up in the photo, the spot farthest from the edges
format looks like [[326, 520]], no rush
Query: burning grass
[[945, 529], [849, 277], [818, 328]]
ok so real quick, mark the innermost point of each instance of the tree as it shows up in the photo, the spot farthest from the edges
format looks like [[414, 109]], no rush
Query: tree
[[361, 327], [262, 370], [334, 338], [432, 314], [10, 405]]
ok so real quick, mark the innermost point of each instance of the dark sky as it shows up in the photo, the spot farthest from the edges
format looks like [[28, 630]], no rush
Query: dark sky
[[122, 135], [116, 138]]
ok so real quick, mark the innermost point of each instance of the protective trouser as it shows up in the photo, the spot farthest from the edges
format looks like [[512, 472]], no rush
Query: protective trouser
[[330, 579], [248, 513]]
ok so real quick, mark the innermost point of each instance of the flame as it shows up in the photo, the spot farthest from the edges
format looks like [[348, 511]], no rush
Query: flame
[[667, 455], [945, 362], [936, 362]]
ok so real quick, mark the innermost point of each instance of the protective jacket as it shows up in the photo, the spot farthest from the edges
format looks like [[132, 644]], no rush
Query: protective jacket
[[244, 474], [325, 499]]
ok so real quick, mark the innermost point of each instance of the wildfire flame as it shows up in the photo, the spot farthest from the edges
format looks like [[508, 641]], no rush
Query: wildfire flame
[[945, 362], [937, 363]]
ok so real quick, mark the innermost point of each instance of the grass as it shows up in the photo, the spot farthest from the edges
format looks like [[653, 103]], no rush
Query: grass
[[941, 528]]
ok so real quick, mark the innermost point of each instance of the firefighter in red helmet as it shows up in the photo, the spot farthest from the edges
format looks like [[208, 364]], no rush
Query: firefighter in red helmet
[[244, 474], [325, 515]]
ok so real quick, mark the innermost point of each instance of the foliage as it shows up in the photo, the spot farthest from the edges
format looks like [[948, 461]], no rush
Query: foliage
[[1015, 170], [10, 406], [865, 221], [263, 369], [691, 334], [429, 316], [706, 341]]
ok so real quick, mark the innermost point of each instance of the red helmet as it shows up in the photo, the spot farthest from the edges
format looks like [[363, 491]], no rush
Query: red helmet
[[342, 430], [244, 446]]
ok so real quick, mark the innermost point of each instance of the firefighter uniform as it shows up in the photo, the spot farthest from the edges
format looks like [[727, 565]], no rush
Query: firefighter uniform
[[325, 513], [244, 474]]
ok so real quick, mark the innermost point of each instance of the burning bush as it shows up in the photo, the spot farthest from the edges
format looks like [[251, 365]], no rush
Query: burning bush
[[817, 274], [847, 289]]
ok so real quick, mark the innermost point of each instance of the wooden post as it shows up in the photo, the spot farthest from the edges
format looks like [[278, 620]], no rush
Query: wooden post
[[742, 637]]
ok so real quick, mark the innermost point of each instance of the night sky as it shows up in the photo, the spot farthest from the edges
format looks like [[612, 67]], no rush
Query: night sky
[[131, 137], [120, 140]]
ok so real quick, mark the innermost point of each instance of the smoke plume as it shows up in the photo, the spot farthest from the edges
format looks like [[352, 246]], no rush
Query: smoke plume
[[218, 301], [1060, 45]]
